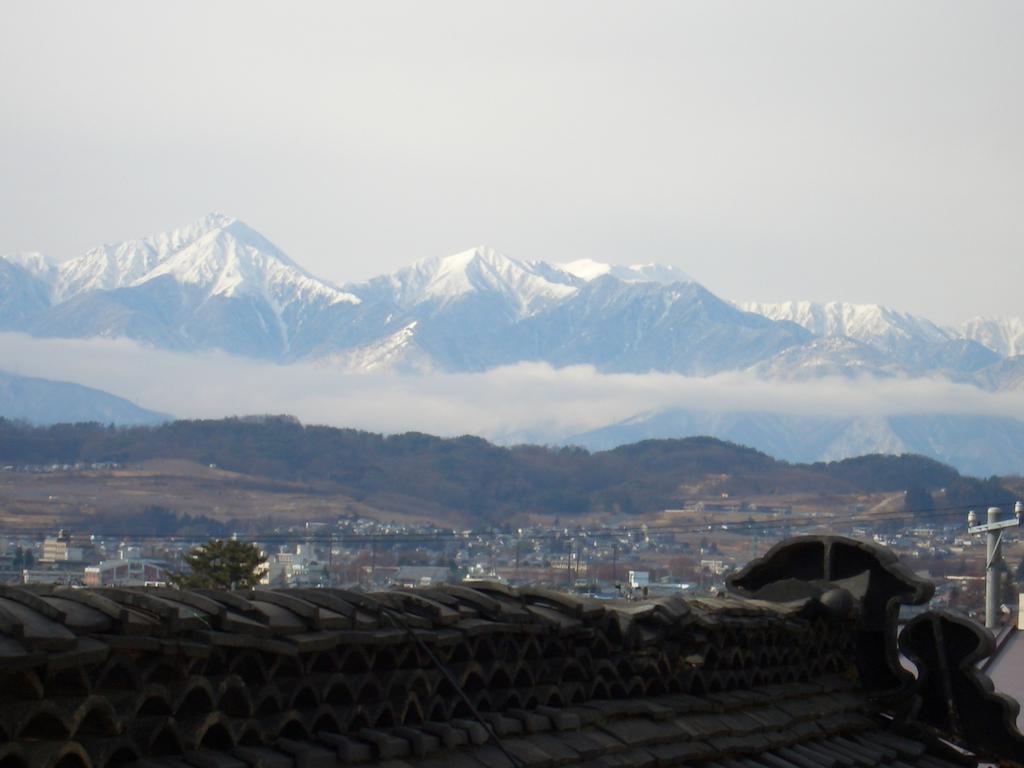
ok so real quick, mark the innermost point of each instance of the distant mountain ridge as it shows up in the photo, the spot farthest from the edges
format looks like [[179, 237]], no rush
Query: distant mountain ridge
[[855, 339], [43, 402], [880, 327], [480, 482], [977, 445], [219, 284]]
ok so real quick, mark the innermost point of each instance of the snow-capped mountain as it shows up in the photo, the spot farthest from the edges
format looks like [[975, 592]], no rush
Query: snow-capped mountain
[[23, 294], [883, 328], [587, 269], [828, 356], [479, 309], [214, 284], [218, 283], [119, 265], [647, 326], [1003, 335], [399, 352], [217, 256], [515, 287], [33, 262], [869, 338], [1005, 375]]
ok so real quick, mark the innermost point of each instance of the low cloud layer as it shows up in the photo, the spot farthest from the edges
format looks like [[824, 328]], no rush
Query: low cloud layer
[[528, 401]]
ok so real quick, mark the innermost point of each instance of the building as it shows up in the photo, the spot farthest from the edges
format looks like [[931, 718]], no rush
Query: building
[[715, 566], [420, 576], [639, 579], [127, 573], [52, 576], [294, 569], [66, 547]]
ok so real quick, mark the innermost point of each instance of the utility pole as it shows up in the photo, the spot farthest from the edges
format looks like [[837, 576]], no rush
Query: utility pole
[[993, 529], [330, 559], [615, 557], [373, 560], [568, 565]]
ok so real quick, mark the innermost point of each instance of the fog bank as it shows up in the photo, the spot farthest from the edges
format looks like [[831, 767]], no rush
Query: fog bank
[[526, 401]]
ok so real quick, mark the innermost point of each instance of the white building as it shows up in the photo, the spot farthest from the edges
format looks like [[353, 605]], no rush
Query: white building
[[64, 547]]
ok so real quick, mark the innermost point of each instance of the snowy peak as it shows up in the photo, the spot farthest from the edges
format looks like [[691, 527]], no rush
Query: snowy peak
[[653, 273], [182, 237], [585, 269], [36, 264], [588, 269], [104, 268], [440, 281], [869, 323], [217, 255], [117, 265], [234, 260], [1003, 335]]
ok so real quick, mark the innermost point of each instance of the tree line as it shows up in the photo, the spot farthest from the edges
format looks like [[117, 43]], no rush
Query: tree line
[[476, 478]]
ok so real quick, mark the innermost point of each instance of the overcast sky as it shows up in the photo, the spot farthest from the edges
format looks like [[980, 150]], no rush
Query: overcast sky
[[861, 151]]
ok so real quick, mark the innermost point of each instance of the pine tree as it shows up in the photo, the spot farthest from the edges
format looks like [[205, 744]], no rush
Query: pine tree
[[223, 564]]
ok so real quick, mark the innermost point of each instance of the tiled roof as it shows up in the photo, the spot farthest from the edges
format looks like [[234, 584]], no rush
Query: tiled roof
[[787, 672]]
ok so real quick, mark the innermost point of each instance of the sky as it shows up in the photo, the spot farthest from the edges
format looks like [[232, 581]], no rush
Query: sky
[[861, 151]]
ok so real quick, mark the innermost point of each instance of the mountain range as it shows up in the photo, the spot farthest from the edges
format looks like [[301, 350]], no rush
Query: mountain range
[[220, 284]]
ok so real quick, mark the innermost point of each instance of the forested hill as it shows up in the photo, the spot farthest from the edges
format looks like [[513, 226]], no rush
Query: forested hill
[[471, 475]]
